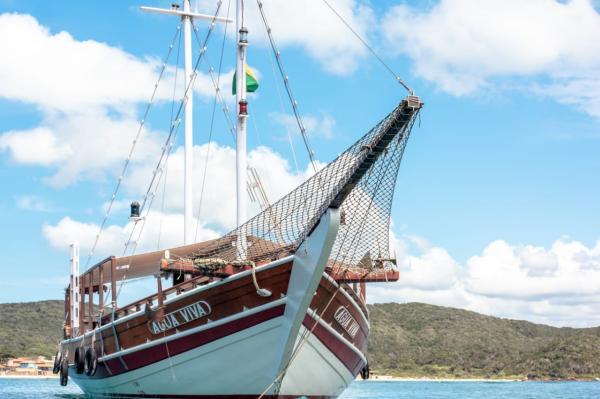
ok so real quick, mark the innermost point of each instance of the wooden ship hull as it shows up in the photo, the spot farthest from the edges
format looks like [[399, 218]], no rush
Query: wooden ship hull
[[232, 351], [219, 338]]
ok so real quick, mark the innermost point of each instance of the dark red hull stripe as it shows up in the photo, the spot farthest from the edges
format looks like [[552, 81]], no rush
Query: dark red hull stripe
[[144, 357], [347, 356], [156, 353]]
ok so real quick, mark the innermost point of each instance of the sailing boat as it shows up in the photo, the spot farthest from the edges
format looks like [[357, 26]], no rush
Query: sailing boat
[[275, 308]]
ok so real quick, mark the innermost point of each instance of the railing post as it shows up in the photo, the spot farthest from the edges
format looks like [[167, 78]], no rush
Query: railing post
[[81, 303], [160, 311], [101, 289], [91, 299], [363, 291], [68, 320], [113, 282]]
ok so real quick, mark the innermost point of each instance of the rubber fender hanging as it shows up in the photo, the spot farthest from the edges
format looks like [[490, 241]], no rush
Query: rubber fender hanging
[[91, 362], [64, 372], [79, 361], [57, 363], [365, 372]]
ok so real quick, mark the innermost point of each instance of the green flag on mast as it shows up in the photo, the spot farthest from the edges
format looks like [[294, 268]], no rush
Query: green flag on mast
[[251, 81]]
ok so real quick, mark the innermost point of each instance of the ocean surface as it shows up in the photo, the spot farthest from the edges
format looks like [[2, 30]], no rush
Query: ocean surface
[[38, 389]]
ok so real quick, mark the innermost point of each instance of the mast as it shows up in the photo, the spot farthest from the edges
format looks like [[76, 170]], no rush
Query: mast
[[241, 162], [188, 216], [187, 15]]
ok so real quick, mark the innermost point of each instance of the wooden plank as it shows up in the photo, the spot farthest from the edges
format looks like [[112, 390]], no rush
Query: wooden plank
[[113, 282], [90, 300], [81, 303]]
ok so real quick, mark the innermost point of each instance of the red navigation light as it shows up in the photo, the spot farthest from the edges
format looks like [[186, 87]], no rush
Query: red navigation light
[[243, 107]]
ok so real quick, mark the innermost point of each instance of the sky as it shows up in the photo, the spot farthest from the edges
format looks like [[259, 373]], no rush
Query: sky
[[497, 205]]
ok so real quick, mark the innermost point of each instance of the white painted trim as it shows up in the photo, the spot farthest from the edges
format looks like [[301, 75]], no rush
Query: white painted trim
[[349, 344], [185, 333], [307, 271], [352, 301]]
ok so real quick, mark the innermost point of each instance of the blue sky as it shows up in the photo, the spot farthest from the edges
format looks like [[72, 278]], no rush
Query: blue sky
[[499, 181]]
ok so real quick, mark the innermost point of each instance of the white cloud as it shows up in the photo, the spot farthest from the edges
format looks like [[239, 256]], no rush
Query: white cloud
[[57, 71], [75, 75], [38, 146], [557, 285], [68, 231], [87, 92], [433, 270], [216, 215], [219, 196], [312, 26], [461, 45], [315, 126], [570, 269], [583, 93], [34, 203], [80, 145], [167, 227]]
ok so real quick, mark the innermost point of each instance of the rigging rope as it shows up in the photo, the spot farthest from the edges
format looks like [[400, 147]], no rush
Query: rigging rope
[[133, 146], [277, 54], [166, 150], [175, 125], [212, 119], [371, 194], [373, 52], [162, 208], [308, 332], [224, 105], [216, 86], [287, 128]]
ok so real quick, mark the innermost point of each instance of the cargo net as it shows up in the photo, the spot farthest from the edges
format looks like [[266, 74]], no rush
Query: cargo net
[[360, 182]]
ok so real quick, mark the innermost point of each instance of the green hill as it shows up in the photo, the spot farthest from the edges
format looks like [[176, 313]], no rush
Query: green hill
[[30, 329], [416, 339], [411, 339]]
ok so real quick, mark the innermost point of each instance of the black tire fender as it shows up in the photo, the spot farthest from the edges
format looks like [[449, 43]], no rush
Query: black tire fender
[[57, 363], [79, 361], [64, 372], [91, 362], [365, 373]]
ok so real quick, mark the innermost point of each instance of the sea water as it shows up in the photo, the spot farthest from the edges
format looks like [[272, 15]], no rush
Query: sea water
[[44, 389]]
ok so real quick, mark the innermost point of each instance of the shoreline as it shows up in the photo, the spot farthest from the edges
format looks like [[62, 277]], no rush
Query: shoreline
[[27, 377], [433, 379], [384, 378]]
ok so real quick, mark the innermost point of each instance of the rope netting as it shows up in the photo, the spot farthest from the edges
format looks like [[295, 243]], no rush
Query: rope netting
[[360, 182]]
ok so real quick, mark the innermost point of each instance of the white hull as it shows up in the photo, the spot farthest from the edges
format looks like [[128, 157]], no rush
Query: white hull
[[240, 364], [263, 350]]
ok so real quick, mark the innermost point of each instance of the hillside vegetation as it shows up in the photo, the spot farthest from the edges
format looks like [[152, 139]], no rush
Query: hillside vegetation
[[411, 340], [416, 339], [30, 329]]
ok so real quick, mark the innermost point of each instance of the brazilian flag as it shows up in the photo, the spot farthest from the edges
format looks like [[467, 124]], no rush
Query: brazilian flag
[[251, 81]]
